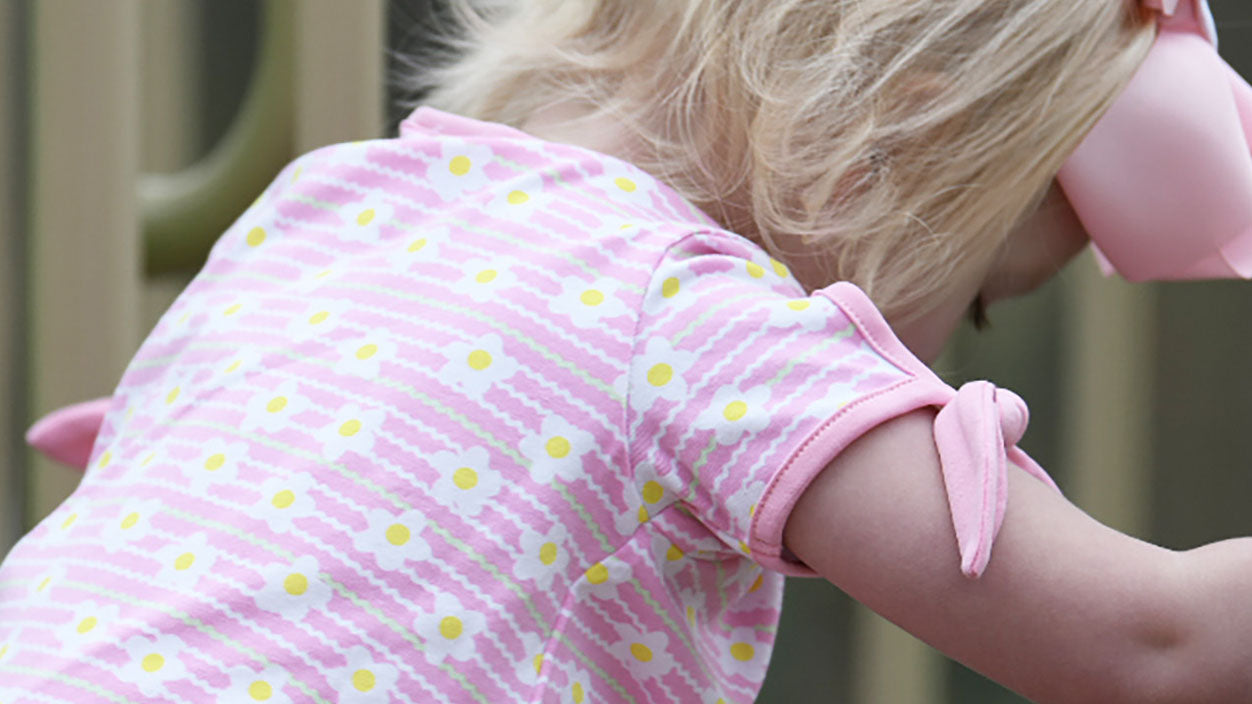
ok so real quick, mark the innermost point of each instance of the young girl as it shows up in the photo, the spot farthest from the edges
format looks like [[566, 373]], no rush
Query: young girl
[[538, 403]]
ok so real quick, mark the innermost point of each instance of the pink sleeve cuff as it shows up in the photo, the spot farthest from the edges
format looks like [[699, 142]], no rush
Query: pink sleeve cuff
[[975, 432]]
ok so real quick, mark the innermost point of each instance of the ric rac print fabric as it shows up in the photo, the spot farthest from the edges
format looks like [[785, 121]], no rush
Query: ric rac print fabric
[[461, 416]]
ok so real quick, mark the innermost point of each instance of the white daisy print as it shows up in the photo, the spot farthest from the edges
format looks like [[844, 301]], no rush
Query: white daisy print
[[669, 289], [588, 303], [420, 245], [516, 200], [466, 481], [90, 625], [225, 314], [693, 605], [667, 553], [758, 270], [449, 630], [271, 410], [780, 270], [64, 523], [363, 356], [216, 464], [239, 363], [660, 372], [644, 498], [394, 539], [318, 277], [578, 688], [743, 653], [185, 561], [43, 586], [364, 680], [531, 666], [293, 589], [473, 367], [482, 279], [556, 450], [644, 654], [151, 663], [733, 412], [255, 230], [603, 578], [806, 313], [364, 222], [543, 556], [173, 392], [130, 523], [265, 686], [742, 504], [752, 581], [351, 430], [459, 169], [283, 500], [623, 183], [316, 320]]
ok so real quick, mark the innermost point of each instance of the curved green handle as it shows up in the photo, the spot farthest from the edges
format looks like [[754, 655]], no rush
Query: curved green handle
[[184, 212]]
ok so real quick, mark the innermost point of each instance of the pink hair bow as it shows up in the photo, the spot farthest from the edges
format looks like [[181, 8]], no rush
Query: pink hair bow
[[1163, 182], [977, 434]]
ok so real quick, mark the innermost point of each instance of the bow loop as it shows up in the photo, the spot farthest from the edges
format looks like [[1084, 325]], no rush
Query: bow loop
[[974, 434]]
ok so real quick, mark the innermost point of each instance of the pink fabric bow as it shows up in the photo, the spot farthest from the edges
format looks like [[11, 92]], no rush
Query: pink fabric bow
[[976, 434], [68, 434]]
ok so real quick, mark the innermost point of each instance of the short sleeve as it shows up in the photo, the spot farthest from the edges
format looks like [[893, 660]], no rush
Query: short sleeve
[[742, 388]]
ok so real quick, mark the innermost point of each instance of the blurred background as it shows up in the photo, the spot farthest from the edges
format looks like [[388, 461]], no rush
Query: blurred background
[[133, 131]]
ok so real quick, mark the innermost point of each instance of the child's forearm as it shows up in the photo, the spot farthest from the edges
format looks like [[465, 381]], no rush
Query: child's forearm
[[1068, 610]]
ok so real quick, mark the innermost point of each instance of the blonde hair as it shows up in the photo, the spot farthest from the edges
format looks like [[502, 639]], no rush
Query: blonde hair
[[900, 139]]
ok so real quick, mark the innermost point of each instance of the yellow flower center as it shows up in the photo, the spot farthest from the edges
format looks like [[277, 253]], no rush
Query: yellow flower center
[[735, 410], [465, 478], [479, 360], [460, 165], [296, 584], [557, 447], [660, 374], [398, 534], [598, 573], [152, 662], [363, 680], [450, 627], [260, 690]]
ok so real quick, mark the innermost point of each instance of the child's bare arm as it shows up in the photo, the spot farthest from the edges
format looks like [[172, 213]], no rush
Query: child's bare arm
[[1068, 610]]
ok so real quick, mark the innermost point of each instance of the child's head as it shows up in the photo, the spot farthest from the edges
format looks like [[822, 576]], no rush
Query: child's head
[[899, 141]]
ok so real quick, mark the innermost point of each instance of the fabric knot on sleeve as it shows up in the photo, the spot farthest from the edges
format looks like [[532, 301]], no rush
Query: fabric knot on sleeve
[[976, 433]]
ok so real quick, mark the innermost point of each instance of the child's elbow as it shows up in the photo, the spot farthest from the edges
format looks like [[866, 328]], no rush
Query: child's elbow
[[1194, 644]]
